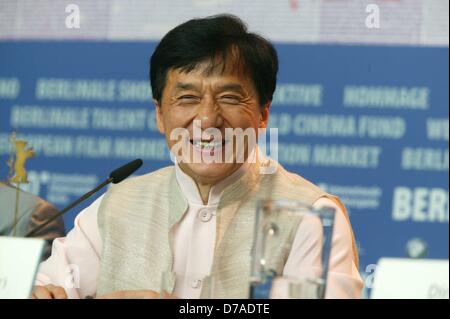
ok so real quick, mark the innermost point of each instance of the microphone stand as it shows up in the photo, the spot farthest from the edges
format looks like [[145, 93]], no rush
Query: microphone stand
[[73, 204]]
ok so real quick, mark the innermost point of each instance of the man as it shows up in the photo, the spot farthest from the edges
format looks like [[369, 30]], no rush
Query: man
[[33, 211], [196, 218]]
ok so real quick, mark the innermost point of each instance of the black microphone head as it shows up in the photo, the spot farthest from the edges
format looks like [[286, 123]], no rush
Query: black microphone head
[[124, 171]]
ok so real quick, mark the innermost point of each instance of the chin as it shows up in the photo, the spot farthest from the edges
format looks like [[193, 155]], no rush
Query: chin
[[212, 171]]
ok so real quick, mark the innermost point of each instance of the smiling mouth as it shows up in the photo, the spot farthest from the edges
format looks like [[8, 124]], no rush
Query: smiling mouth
[[207, 145]]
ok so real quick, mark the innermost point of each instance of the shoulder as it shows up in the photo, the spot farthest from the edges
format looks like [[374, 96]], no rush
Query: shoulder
[[144, 190], [297, 180], [290, 184]]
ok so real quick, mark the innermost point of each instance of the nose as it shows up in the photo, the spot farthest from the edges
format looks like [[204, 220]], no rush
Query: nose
[[209, 114]]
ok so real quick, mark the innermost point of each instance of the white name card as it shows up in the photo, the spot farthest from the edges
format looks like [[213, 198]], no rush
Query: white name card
[[19, 261], [397, 278]]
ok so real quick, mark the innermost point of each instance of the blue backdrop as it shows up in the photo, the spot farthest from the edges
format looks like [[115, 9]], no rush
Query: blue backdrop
[[369, 124]]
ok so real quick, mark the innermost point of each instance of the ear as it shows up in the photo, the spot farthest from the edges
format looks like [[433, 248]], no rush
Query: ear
[[264, 115], [159, 117]]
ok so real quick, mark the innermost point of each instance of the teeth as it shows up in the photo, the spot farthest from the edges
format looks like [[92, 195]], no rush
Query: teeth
[[207, 145]]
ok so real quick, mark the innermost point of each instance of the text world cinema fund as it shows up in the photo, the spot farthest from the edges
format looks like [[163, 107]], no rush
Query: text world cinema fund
[[226, 308]]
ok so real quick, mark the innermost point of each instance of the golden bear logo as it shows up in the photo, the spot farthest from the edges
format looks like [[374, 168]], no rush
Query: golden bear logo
[[22, 154]]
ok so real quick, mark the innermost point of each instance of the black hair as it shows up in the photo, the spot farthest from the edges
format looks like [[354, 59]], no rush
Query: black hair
[[218, 40]]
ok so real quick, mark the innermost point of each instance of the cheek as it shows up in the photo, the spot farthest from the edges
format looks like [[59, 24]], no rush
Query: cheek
[[242, 117], [175, 118], [176, 126]]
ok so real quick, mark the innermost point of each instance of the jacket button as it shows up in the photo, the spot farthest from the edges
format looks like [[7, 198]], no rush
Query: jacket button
[[196, 283], [205, 215]]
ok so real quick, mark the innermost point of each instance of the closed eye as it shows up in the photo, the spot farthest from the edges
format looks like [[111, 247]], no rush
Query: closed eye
[[230, 99], [188, 98]]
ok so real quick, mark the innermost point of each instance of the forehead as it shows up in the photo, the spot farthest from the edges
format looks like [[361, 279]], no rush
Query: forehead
[[207, 73], [176, 77]]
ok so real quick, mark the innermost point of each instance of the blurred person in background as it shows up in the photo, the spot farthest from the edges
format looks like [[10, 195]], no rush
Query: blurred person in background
[[33, 211]]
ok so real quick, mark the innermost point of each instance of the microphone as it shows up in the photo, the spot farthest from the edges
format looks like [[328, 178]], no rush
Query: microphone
[[115, 177]]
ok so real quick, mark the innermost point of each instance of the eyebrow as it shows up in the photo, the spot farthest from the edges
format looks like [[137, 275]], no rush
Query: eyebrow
[[232, 87], [236, 87], [186, 86]]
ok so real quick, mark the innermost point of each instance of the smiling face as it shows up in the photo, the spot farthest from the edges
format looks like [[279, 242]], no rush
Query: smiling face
[[203, 100]]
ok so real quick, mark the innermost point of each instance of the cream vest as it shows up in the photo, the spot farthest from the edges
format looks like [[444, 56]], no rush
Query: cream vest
[[137, 217]]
